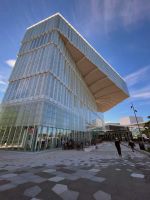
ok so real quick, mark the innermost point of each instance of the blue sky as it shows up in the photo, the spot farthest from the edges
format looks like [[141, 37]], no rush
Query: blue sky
[[118, 29]]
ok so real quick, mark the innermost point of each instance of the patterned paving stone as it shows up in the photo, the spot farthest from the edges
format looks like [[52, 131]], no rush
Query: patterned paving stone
[[18, 180], [88, 176], [21, 172], [129, 170], [69, 195], [7, 176], [60, 165], [33, 191], [97, 179], [117, 169], [81, 172], [100, 195], [7, 187], [45, 175], [27, 175], [2, 182], [38, 167], [59, 188], [37, 179], [94, 170], [56, 179], [135, 175], [49, 170], [3, 171], [132, 165], [30, 169], [68, 171], [72, 177]]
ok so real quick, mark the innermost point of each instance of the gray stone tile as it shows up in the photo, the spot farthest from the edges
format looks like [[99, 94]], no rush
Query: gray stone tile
[[97, 179], [62, 174], [94, 170], [129, 170], [59, 188], [7, 186], [7, 176], [49, 170], [100, 195], [118, 169], [88, 176], [18, 180], [33, 191], [56, 179], [37, 179], [72, 177], [27, 175], [69, 195], [132, 165], [81, 172], [67, 170], [135, 175]]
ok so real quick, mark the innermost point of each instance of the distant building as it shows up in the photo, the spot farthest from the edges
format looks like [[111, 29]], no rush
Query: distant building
[[112, 123], [130, 120], [113, 130]]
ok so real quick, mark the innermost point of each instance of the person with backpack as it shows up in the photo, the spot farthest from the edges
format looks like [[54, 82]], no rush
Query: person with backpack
[[132, 145]]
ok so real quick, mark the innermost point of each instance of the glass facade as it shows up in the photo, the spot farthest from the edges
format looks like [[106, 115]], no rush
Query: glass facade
[[47, 99]]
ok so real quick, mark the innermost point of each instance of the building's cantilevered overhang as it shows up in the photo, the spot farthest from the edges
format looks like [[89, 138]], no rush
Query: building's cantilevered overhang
[[106, 93], [106, 85]]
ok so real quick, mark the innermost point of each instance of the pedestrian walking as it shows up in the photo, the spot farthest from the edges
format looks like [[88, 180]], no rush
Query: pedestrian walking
[[81, 145], [132, 145], [117, 144], [63, 144]]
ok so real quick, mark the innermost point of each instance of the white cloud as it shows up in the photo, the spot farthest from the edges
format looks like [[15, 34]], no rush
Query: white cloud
[[137, 83], [143, 93], [10, 62], [105, 15], [3, 80], [143, 103], [3, 88], [3, 83], [137, 76]]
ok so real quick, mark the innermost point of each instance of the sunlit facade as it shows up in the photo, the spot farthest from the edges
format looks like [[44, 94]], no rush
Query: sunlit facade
[[49, 97]]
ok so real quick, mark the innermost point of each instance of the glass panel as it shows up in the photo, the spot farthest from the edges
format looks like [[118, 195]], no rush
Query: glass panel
[[2, 132], [11, 136]]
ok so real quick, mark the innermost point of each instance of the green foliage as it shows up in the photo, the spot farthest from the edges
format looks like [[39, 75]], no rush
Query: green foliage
[[147, 128], [148, 149]]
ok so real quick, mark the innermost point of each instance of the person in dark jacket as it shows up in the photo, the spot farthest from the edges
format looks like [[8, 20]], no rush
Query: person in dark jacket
[[132, 145], [117, 144]]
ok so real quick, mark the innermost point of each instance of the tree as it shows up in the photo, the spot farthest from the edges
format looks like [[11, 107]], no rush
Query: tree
[[147, 128]]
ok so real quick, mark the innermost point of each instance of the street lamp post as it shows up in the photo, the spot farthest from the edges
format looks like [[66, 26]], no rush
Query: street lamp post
[[134, 110]]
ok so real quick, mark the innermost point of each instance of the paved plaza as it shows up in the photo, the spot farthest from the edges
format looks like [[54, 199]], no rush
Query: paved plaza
[[71, 174]]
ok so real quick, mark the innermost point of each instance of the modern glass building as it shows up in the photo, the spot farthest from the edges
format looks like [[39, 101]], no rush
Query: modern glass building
[[59, 86]]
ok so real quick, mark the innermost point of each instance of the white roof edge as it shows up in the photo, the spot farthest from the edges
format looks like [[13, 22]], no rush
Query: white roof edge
[[58, 14], [90, 46]]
